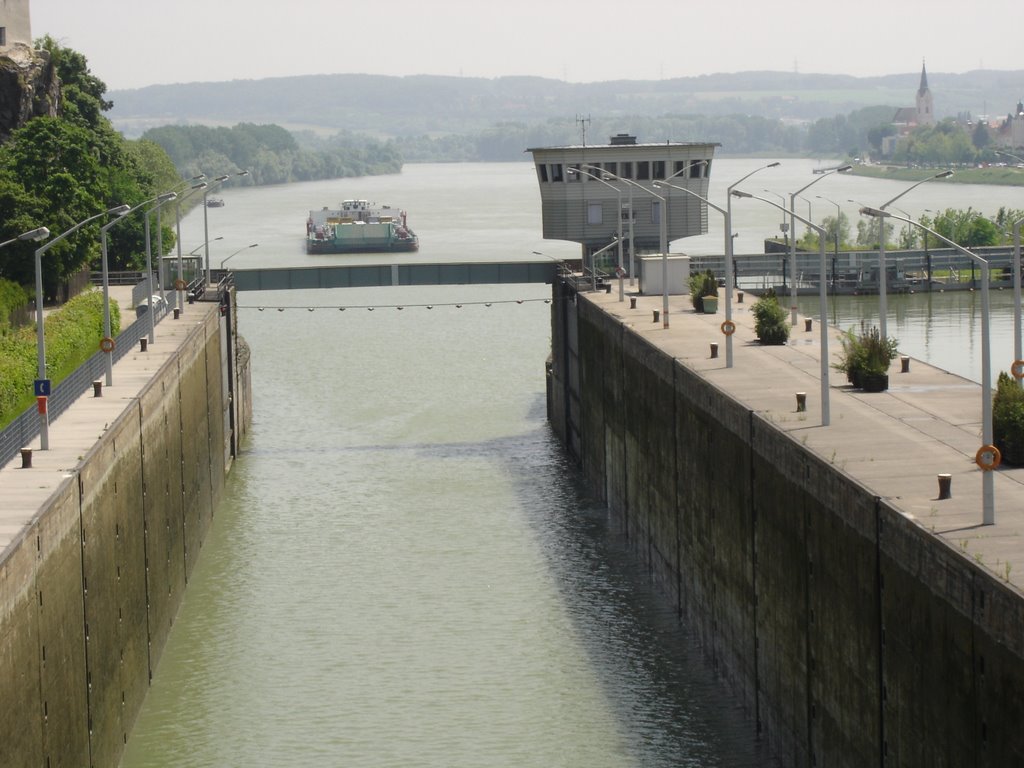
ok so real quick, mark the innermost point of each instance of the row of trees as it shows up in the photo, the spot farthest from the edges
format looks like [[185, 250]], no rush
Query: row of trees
[[271, 154], [965, 227], [58, 171]]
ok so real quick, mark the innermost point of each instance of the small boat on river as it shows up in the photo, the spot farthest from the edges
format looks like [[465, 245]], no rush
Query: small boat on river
[[358, 226]]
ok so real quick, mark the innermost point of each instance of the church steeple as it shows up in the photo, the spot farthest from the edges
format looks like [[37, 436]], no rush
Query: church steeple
[[925, 111]]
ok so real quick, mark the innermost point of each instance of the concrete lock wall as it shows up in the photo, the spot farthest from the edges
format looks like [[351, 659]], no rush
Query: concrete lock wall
[[90, 592], [851, 636]]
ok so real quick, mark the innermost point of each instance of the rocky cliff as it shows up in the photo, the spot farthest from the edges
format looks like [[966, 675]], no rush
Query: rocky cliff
[[29, 87]]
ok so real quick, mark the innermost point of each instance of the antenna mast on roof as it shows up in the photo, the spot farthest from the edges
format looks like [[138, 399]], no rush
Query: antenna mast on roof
[[583, 122]]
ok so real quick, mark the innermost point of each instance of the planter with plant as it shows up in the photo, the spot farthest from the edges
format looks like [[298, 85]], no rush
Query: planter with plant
[[703, 284], [865, 358], [1008, 420], [770, 324]]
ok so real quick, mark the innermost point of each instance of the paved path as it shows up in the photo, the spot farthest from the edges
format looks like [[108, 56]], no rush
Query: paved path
[[895, 443], [24, 491]]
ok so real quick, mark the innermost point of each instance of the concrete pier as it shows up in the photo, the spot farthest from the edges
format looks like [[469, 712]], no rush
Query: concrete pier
[[860, 617]]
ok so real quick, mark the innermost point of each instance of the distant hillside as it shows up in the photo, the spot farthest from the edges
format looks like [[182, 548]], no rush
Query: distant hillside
[[423, 104]]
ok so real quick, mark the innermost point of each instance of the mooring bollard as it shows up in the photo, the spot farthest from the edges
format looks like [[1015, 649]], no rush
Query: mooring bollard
[[657, 315], [26, 458], [714, 349], [632, 302], [607, 287], [739, 297], [97, 388], [808, 324], [177, 313], [945, 483], [904, 364], [143, 343], [801, 401]]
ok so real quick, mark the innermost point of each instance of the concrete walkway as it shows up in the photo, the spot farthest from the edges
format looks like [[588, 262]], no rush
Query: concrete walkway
[[24, 491], [895, 443]]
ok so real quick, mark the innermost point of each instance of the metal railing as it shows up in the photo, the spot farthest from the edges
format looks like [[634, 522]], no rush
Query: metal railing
[[20, 432]]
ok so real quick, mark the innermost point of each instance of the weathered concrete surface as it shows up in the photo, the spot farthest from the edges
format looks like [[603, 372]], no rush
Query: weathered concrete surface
[[860, 620], [98, 539]]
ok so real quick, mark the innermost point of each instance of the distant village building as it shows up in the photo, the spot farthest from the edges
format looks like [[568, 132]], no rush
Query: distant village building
[[907, 119], [15, 23], [1010, 134]]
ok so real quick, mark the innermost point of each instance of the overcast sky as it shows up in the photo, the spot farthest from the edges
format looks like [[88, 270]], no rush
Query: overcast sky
[[134, 43]]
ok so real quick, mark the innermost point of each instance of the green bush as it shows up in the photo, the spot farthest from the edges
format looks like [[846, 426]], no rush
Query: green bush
[[770, 324], [702, 284], [73, 335], [865, 353], [1008, 419], [12, 297]]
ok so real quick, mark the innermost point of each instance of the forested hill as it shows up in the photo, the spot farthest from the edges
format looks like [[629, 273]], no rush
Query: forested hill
[[424, 104]]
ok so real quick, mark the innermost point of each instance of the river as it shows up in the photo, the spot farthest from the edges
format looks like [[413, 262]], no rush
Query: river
[[405, 569]]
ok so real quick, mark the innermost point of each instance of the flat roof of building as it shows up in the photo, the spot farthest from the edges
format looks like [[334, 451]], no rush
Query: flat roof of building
[[621, 146]]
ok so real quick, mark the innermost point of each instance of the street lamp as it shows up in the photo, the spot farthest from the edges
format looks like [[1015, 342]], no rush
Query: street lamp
[[618, 193], [839, 216], [883, 309], [179, 282], [164, 198], [987, 488], [107, 344], [225, 261], [44, 417], [822, 298], [206, 226], [728, 232], [792, 240], [159, 228], [214, 240]]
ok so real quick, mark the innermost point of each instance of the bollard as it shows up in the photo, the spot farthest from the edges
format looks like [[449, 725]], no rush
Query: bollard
[[657, 315], [607, 287], [801, 402], [904, 364], [191, 298], [945, 481], [632, 302], [143, 343], [739, 297], [97, 388], [177, 313], [808, 324], [26, 458], [714, 349]]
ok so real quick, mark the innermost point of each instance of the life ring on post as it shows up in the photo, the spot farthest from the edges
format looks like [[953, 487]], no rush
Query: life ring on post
[[988, 457], [728, 327], [180, 285], [106, 344], [1017, 369]]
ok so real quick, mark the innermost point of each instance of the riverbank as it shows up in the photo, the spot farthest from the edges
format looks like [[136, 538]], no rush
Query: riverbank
[[1007, 176]]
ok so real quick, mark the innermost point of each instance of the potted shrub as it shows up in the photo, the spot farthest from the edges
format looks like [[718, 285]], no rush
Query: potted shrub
[[866, 357], [770, 324], [1008, 419], [704, 284]]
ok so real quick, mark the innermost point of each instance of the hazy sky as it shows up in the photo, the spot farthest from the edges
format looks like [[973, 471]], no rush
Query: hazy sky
[[133, 43]]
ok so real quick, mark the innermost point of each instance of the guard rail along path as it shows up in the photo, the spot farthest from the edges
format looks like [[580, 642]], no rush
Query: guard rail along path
[[98, 535], [861, 619]]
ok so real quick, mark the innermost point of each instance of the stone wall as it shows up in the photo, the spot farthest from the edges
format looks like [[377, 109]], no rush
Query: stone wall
[[90, 592], [850, 635]]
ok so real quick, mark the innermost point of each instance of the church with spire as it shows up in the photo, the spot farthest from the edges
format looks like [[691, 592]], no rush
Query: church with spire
[[923, 111]]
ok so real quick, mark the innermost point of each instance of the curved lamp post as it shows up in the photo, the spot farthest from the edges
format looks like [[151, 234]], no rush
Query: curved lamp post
[[206, 225], [728, 271], [107, 345], [822, 299], [179, 287], [792, 240], [839, 219], [159, 228], [44, 417], [166, 197], [225, 261], [988, 504], [883, 308], [618, 193]]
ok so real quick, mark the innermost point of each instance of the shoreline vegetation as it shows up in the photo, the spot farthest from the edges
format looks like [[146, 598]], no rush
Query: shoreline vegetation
[[1008, 176]]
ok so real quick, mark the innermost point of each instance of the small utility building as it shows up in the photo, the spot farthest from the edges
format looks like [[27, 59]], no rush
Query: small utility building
[[581, 188]]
